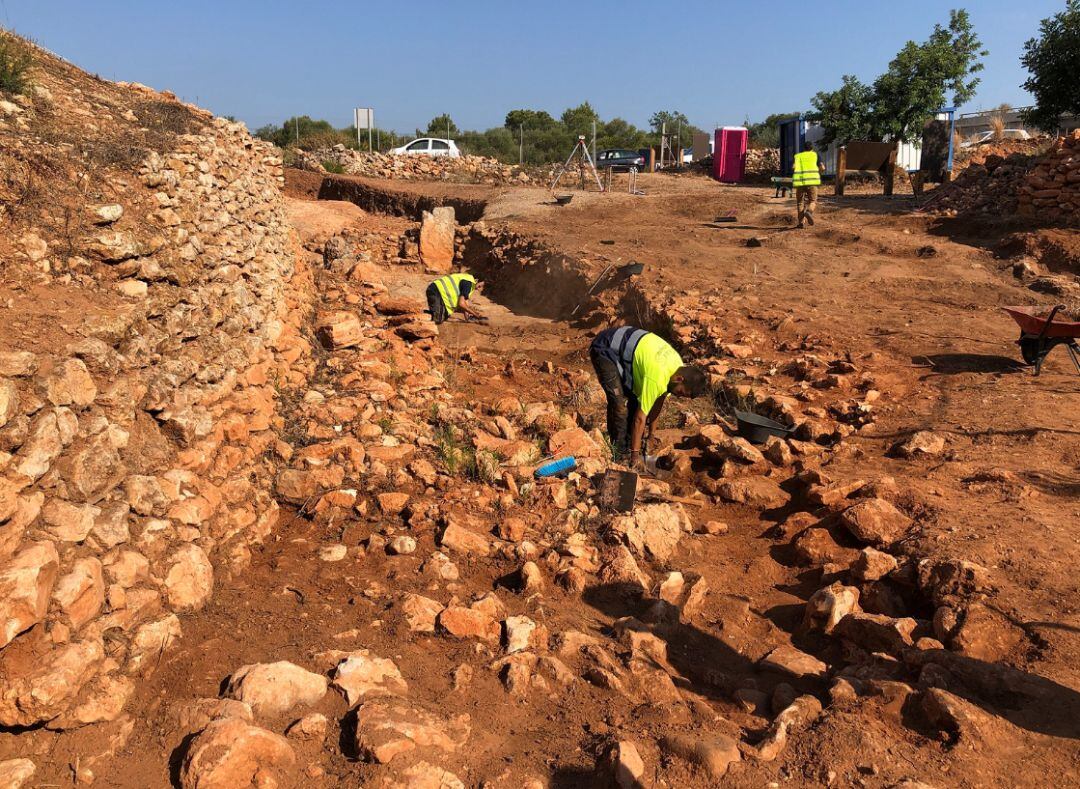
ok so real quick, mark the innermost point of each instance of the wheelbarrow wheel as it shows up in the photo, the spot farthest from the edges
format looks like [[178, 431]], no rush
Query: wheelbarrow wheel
[[1030, 348]]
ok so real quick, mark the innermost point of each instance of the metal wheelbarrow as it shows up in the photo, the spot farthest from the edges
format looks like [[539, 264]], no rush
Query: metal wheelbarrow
[[1040, 334]]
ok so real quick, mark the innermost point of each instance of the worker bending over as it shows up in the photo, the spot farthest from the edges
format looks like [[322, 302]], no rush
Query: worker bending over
[[806, 179], [451, 294], [637, 371]]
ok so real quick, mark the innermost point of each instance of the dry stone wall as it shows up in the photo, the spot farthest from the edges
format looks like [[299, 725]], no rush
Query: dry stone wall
[[1051, 190], [133, 462]]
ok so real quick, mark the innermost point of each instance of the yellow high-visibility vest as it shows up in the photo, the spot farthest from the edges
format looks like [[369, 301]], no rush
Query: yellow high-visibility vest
[[450, 289], [806, 170]]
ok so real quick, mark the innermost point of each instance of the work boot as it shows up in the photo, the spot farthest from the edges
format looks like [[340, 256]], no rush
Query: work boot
[[810, 218], [799, 226]]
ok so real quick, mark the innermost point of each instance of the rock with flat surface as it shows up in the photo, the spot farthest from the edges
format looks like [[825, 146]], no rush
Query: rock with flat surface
[[70, 384], [753, 491], [26, 584], [921, 444], [309, 728], [462, 622], [422, 775], [437, 240], [652, 530], [714, 753], [875, 521], [876, 632], [80, 593], [274, 688], [627, 766], [387, 728], [873, 565], [14, 773], [420, 612], [461, 540], [815, 547], [573, 441], [363, 674], [190, 579], [232, 754], [986, 635], [48, 688], [957, 717], [789, 660]]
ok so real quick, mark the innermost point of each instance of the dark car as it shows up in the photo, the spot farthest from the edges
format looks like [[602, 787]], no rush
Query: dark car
[[619, 159]]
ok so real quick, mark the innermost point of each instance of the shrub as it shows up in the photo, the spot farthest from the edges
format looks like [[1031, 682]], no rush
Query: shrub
[[333, 167], [15, 61]]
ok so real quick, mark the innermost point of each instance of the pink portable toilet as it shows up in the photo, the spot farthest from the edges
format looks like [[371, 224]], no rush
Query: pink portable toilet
[[729, 154]]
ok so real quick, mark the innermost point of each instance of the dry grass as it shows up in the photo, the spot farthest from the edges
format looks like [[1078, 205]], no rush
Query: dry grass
[[997, 126], [15, 62]]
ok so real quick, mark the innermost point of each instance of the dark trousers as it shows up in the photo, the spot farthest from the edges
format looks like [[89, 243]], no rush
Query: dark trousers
[[435, 304], [620, 408]]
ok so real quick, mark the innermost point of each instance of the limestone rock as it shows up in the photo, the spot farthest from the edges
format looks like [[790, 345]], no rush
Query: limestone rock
[[876, 632], [9, 401], [190, 579], [14, 773], [339, 330], [387, 728], [627, 765], [573, 441], [462, 540], [464, 622], [826, 607], [107, 214], [437, 240], [789, 660], [81, 593], [875, 521], [753, 491], [26, 584], [424, 775], [230, 754], [714, 753], [957, 717], [274, 688], [921, 444], [873, 565], [652, 529], [363, 674], [45, 691], [70, 384], [420, 612], [196, 715], [815, 547], [312, 726], [986, 635], [151, 640]]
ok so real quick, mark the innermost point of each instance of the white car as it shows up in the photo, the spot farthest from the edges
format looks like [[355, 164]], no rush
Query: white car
[[429, 146], [990, 136]]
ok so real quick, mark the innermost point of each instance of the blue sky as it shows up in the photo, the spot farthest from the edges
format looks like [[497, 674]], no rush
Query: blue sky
[[716, 61]]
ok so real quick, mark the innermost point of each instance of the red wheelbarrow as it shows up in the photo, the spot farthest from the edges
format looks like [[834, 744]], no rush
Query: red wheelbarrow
[[1039, 334]]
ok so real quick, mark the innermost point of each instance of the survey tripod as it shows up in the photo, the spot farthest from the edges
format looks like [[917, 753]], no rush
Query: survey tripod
[[584, 163]]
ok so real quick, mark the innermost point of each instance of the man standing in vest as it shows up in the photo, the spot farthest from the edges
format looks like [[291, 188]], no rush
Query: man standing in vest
[[806, 179], [637, 371], [451, 294]]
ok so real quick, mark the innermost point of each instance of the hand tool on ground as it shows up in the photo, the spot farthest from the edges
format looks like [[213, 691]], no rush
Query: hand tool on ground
[[630, 269]]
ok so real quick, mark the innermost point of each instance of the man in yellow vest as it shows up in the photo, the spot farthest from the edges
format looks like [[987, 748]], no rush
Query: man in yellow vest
[[451, 294], [806, 179], [637, 371]]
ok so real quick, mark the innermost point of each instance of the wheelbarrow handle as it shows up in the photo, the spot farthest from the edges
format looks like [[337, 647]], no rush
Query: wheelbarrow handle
[[1049, 320]]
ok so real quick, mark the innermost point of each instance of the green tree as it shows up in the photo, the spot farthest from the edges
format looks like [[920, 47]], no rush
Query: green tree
[[845, 113], [579, 119], [766, 134], [530, 119], [442, 124], [676, 123], [1053, 60], [920, 77]]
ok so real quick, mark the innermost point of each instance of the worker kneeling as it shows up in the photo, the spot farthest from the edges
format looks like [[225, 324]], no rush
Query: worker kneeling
[[637, 371], [451, 294]]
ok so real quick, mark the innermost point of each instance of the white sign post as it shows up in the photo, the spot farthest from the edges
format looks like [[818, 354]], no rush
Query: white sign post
[[365, 119]]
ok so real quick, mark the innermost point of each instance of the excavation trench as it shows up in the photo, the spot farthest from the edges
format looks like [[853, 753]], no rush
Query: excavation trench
[[752, 591]]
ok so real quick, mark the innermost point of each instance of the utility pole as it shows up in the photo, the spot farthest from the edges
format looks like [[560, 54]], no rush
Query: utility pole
[[594, 140], [296, 124], [521, 144]]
